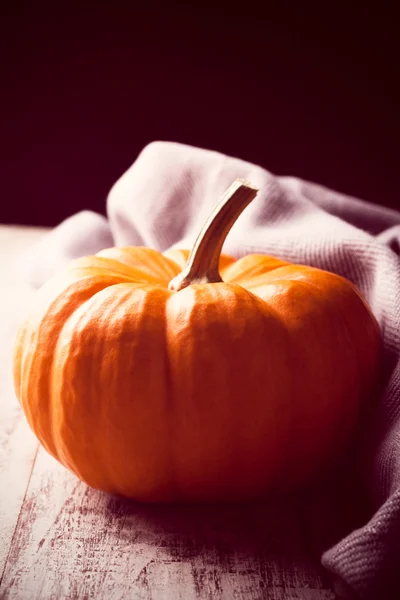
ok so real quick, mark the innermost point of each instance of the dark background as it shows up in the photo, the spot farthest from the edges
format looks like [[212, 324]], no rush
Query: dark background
[[300, 92]]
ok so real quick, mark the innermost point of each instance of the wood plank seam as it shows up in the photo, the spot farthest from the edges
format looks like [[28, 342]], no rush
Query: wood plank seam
[[19, 515]]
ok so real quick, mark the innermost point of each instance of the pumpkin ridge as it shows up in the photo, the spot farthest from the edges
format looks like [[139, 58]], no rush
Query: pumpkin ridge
[[255, 262], [327, 301], [62, 450], [54, 405], [128, 273], [350, 336], [103, 405], [141, 259], [170, 395], [37, 334]]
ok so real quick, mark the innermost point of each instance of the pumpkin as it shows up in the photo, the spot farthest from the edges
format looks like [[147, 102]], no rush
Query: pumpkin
[[195, 376]]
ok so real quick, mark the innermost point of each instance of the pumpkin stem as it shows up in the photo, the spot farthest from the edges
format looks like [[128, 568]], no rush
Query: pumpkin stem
[[202, 264]]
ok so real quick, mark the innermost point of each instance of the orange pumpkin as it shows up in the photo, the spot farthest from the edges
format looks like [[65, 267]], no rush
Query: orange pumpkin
[[195, 388]]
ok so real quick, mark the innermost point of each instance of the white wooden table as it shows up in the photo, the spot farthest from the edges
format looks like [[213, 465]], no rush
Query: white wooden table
[[60, 539]]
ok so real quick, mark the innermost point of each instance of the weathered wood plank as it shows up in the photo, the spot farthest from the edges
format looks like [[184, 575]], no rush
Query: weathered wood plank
[[17, 443], [74, 542]]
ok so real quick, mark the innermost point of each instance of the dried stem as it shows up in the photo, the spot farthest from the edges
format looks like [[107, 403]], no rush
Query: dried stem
[[202, 264]]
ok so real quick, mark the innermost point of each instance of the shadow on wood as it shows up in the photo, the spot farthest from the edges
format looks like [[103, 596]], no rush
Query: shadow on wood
[[74, 542]]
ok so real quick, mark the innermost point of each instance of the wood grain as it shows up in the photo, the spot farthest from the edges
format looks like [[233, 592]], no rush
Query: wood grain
[[63, 540], [17, 443], [75, 542]]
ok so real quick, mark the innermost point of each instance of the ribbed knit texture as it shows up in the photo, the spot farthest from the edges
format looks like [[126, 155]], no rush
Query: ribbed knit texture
[[163, 200]]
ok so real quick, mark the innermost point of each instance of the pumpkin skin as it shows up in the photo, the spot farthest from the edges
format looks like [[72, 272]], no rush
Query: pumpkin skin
[[220, 391]]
